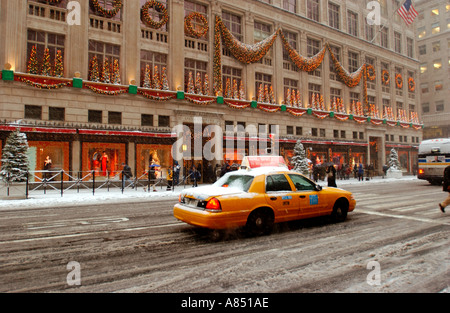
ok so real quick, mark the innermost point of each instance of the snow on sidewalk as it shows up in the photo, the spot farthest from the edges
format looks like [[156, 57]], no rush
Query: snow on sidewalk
[[53, 198]]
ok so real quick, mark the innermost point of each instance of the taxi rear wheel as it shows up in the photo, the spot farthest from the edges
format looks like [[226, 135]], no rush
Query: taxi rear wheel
[[260, 222], [340, 211]]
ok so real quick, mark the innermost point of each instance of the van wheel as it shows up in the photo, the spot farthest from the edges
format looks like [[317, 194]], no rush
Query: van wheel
[[260, 222], [340, 211]]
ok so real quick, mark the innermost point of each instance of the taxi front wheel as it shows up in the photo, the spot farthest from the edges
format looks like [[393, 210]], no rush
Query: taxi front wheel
[[340, 211], [260, 222]]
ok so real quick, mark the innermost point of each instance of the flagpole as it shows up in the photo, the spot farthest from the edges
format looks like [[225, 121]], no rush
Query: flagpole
[[384, 25]]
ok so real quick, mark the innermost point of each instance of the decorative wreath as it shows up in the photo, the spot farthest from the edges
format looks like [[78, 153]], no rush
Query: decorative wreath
[[399, 80], [385, 77], [411, 84], [370, 72], [160, 8], [117, 6], [189, 28]]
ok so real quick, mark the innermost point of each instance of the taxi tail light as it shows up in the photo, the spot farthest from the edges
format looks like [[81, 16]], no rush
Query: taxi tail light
[[213, 205]]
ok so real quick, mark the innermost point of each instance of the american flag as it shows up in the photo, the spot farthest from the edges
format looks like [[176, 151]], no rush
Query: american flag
[[407, 12]]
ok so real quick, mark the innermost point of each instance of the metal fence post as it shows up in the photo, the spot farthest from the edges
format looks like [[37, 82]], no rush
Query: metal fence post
[[123, 182], [62, 183], [93, 183]]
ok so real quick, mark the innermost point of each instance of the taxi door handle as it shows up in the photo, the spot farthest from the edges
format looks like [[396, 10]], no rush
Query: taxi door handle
[[303, 197], [273, 198]]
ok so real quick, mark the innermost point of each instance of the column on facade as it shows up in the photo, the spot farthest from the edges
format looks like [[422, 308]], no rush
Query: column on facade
[[13, 23], [77, 44], [130, 50], [176, 48]]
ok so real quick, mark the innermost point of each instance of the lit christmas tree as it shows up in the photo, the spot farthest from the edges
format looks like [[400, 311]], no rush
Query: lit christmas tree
[[116, 72], [241, 91], [228, 89], [266, 94], [46, 65], [14, 158], [190, 85], [59, 64], [94, 74], [235, 90], [106, 76], [164, 80], [206, 88], [198, 84], [147, 77], [260, 93], [32, 62], [271, 95], [299, 100], [156, 78], [288, 99]]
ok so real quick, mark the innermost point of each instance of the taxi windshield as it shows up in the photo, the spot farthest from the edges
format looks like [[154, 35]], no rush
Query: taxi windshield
[[241, 182]]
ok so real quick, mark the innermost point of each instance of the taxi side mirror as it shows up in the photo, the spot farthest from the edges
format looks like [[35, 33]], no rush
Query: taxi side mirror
[[317, 188]]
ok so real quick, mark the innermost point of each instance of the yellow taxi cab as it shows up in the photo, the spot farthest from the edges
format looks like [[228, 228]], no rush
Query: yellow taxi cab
[[259, 198]]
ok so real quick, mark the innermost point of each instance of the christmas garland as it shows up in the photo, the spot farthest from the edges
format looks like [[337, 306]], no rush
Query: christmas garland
[[303, 63], [341, 117], [268, 108], [157, 95], [105, 90], [320, 115], [217, 66], [160, 8], [235, 104], [296, 112], [189, 29], [399, 80], [244, 52], [43, 83], [349, 79], [411, 84], [385, 77], [117, 4], [199, 99]]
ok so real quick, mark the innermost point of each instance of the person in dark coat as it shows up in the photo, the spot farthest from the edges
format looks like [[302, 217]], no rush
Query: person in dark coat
[[446, 188], [331, 176], [360, 172]]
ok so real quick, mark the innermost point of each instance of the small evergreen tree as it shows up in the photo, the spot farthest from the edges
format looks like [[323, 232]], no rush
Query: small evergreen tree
[[15, 158], [299, 160], [394, 164]]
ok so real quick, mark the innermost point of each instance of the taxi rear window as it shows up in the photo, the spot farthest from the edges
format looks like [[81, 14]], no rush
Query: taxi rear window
[[241, 182]]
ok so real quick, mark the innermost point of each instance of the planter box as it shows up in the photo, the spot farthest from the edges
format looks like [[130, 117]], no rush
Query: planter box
[[15, 191], [394, 174]]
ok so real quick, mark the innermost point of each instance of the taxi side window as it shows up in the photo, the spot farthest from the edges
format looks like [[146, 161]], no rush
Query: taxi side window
[[301, 183], [277, 182]]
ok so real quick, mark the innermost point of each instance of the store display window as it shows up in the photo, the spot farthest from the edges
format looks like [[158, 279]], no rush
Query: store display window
[[105, 159]]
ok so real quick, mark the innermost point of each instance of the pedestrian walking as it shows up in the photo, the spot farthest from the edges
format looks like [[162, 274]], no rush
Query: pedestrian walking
[[446, 188], [360, 172], [176, 173], [331, 176], [127, 174]]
